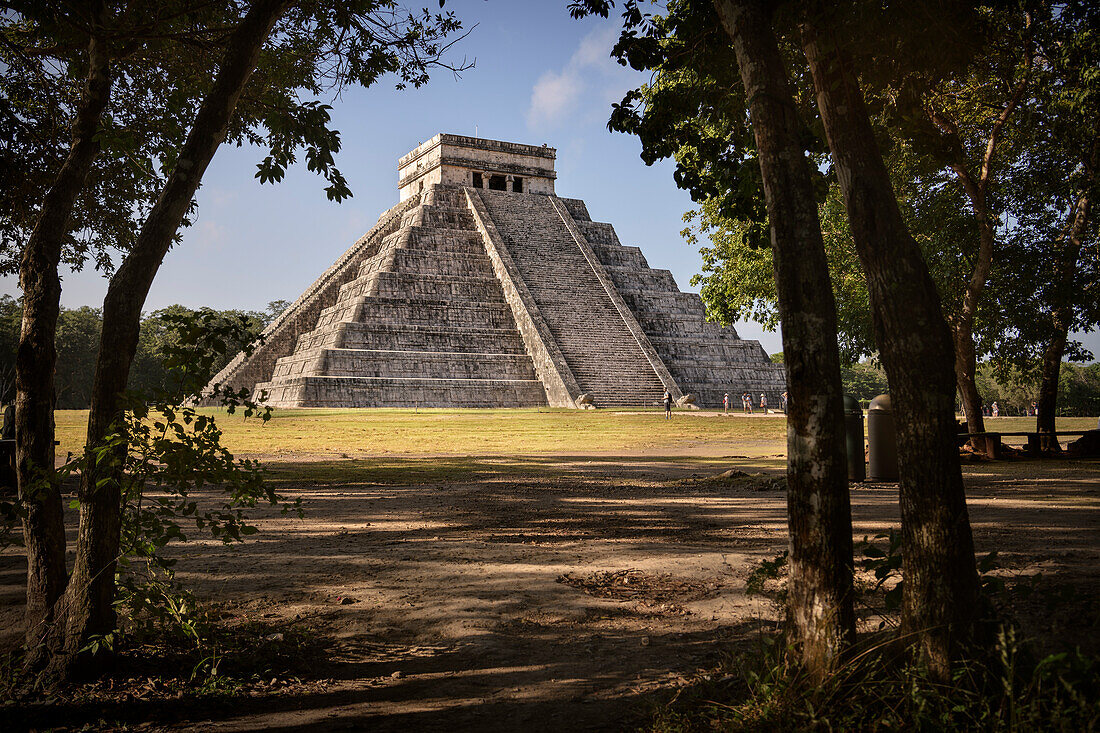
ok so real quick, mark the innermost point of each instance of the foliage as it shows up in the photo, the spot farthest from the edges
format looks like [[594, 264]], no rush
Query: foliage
[[78, 331], [1014, 390], [1007, 686], [757, 582], [160, 333], [162, 58], [864, 380], [937, 86], [77, 343], [1050, 282], [237, 657], [736, 282], [11, 317], [1079, 390], [162, 451]]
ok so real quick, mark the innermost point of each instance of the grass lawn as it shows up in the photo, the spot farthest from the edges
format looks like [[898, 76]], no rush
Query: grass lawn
[[505, 432], [480, 432]]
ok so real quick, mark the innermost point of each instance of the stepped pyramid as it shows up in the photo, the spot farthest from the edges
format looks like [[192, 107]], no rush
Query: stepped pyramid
[[482, 288]]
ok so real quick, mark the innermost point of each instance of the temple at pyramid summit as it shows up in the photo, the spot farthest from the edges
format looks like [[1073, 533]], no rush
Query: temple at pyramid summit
[[483, 288]]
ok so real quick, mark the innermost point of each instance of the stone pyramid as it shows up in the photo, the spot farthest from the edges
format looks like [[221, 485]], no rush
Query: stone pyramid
[[482, 288]]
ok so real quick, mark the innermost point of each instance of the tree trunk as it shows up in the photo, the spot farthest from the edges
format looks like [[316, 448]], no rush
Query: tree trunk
[[1063, 314], [962, 324], [819, 514], [966, 369], [941, 583], [39, 489], [87, 604], [1048, 386], [976, 190], [962, 331]]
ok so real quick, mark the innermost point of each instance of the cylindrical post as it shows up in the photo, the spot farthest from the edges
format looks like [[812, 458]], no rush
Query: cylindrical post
[[882, 440]]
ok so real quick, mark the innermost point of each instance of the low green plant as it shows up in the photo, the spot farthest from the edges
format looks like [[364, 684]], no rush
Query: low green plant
[[756, 585], [1004, 689], [1005, 686], [160, 452]]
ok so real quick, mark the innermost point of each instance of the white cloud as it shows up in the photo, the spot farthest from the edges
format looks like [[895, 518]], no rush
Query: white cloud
[[210, 235], [553, 97], [595, 48], [583, 82]]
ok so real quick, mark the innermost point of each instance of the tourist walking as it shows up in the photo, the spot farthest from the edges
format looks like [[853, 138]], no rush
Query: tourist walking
[[763, 403], [746, 402], [783, 402], [668, 405], [726, 403], [995, 409]]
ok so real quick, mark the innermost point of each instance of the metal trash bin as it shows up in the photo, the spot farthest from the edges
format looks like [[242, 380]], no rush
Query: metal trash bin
[[853, 438], [882, 440]]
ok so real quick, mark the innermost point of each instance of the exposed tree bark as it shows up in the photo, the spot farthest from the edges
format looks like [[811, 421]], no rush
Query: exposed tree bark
[[966, 371], [941, 585], [1048, 384], [818, 509], [977, 191], [86, 608], [39, 491]]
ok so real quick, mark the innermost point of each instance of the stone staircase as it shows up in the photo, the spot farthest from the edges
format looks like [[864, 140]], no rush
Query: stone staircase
[[599, 349], [419, 313], [705, 359], [422, 323]]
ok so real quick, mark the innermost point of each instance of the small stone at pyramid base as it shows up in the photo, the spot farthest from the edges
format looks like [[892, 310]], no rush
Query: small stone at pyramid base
[[482, 288]]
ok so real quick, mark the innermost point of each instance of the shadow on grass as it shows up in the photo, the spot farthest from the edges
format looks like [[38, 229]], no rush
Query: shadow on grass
[[403, 470]]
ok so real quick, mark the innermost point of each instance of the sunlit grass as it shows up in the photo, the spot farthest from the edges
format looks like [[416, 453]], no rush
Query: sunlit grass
[[480, 432], [506, 432]]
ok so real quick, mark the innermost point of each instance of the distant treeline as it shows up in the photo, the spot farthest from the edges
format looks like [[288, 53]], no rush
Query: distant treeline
[[77, 341], [1078, 387]]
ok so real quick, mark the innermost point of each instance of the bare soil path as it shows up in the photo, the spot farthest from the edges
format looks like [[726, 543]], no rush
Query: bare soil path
[[548, 592]]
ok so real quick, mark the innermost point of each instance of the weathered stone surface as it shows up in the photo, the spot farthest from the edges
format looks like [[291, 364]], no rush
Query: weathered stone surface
[[481, 297]]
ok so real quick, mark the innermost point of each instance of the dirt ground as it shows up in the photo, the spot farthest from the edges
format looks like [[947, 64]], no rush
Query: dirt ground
[[548, 593]]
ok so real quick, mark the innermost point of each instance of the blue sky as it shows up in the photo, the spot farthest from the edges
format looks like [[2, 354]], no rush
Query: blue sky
[[539, 77]]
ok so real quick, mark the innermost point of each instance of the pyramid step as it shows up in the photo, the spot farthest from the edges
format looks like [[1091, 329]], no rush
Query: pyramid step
[[614, 255], [598, 232], [437, 239], [450, 264], [703, 351], [434, 216], [634, 278], [407, 364], [445, 197], [600, 350], [652, 301], [318, 391], [431, 287], [424, 338], [456, 314]]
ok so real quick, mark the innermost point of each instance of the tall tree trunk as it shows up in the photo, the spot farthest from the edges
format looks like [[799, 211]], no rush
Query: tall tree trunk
[[966, 369], [39, 490], [941, 583], [87, 604], [1062, 316], [976, 188], [819, 514], [962, 323], [1048, 386]]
